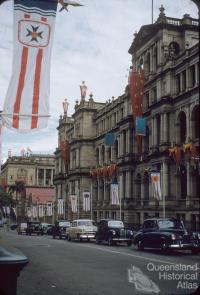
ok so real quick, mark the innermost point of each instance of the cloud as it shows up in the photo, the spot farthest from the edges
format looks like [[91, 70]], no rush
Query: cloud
[[91, 43]]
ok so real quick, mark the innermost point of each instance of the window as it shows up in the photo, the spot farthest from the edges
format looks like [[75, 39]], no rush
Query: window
[[178, 84], [182, 127], [154, 94], [192, 76], [183, 80]]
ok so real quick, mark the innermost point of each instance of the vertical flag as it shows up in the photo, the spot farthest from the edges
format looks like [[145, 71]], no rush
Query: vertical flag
[[114, 194], [49, 209], [26, 105], [34, 211], [64, 149], [86, 201], [155, 179], [29, 212], [74, 204], [60, 206], [41, 211], [109, 139]]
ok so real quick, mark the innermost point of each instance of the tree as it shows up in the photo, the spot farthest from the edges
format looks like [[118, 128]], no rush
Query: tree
[[19, 189]]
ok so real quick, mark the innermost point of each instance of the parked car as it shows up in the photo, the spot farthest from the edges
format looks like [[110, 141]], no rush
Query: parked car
[[59, 229], [14, 226], [166, 233], [50, 230], [34, 227], [21, 228], [113, 232], [46, 227], [82, 229]]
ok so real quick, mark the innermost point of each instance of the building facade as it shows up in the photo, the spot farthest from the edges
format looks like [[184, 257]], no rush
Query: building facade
[[36, 172], [168, 52]]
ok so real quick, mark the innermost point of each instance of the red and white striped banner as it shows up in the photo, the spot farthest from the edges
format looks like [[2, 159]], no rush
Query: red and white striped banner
[[86, 201], [74, 204], [155, 179], [26, 105], [114, 194]]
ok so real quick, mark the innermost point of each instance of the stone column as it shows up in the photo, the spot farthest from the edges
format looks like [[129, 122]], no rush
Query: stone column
[[165, 128], [119, 143], [196, 75], [188, 182], [161, 128], [142, 191], [128, 135], [165, 180], [128, 184], [37, 176], [152, 131], [155, 132], [51, 176], [44, 177]]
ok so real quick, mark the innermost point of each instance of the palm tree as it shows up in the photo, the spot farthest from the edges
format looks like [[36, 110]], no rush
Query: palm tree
[[19, 189]]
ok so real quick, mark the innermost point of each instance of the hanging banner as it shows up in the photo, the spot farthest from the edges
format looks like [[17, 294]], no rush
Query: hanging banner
[[29, 212], [26, 105], [60, 206], [35, 211], [74, 204], [140, 126], [155, 179], [110, 139], [41, 211], [114, 190], [65, 149], [49, 209], [86, 201]]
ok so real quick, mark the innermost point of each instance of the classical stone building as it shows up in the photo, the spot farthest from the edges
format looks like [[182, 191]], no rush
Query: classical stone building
[[36, 171], [168, 51]]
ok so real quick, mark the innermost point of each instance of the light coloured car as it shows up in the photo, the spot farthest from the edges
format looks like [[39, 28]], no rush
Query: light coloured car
[[22, 227], [81, 229]]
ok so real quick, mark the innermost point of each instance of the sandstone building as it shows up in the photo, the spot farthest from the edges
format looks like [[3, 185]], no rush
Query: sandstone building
[[168, 51]]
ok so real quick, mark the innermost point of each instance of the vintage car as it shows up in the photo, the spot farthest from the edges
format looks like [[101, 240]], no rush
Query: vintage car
[[21, 228], [46, 227], [82, 229], [166, 233], [34, 227], [59, 229], [113, 232]]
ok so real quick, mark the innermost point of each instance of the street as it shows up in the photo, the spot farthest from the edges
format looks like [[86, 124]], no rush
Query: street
[[61, 267]]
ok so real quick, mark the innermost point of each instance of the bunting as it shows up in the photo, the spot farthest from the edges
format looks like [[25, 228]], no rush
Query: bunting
[[26, 105]]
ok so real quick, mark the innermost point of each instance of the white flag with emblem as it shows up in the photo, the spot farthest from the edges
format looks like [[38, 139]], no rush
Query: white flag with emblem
[[86, 201], [114, 194], [26, 105], [74, 207], [155, 179]]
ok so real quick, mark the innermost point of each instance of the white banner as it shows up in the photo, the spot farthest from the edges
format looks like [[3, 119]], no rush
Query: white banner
[[60, 206], [34, 211], [74, 204], [29, 212], [49, 209], [41, 211], [114, 190], [155, 179], [26, 105], [86, 201]]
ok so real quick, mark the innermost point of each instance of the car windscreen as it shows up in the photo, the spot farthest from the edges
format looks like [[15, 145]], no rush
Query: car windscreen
[[169, 224], [64, 224], [86, 223], [24, 225], [115, 223]]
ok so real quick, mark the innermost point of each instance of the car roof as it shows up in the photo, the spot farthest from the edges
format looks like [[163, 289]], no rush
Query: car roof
[[160, 218], [109, 219], [83, 220]]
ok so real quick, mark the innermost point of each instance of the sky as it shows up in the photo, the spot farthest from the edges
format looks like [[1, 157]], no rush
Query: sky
[[90, 43]]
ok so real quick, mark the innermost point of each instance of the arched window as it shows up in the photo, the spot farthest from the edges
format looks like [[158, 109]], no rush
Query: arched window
[[182, 127], [148, 62], [138, 189], [103, 154], [116, 149], [155, 58], [146, 185], [97, 156], [158, 124]]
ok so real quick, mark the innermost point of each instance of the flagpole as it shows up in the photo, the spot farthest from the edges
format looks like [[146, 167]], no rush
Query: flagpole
[[152, 11], [91, 189]]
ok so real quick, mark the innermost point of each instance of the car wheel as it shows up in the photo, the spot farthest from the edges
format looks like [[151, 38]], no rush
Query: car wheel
[[129, 243], [79, 238], [69, 238], [110, 241], [54, 237], [140, 245], [60, 237], [97, 240]]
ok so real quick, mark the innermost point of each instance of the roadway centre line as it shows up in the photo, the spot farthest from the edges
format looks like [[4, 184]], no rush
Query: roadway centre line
[[127, 254]]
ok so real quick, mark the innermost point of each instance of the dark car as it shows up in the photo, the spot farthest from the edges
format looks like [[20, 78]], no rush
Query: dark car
[[166, 233], [113, 232], [34, 227], [59, 229]]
